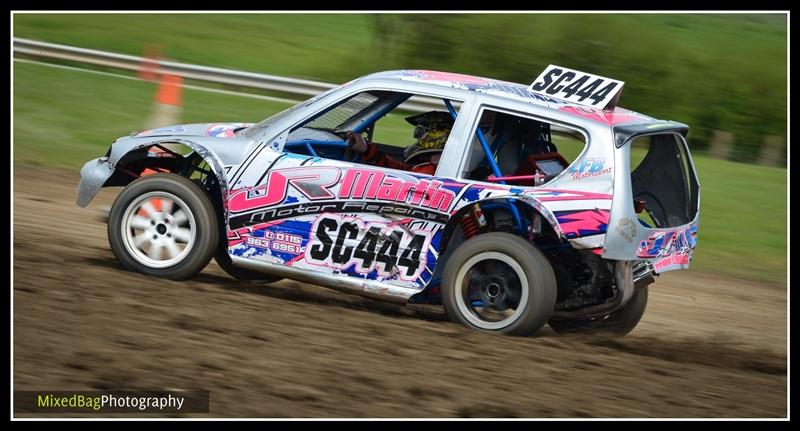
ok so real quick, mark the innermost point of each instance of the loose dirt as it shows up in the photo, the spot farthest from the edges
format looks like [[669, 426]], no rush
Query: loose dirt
[[707, 346]]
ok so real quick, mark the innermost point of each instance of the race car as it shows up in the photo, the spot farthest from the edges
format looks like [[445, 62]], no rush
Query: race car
[[546, 204]]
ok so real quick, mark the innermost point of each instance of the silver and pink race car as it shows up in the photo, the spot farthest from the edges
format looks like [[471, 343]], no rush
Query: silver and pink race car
[[512, 206]]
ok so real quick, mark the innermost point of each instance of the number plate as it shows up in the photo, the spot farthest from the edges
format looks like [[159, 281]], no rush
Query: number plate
[[578, 87]]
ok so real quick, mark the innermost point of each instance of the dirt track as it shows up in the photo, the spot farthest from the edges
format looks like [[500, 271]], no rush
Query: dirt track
[[707, 346]]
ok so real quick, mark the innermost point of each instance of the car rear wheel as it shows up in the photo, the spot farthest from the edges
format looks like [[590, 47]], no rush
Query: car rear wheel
[[163, 225], [616, 324], [498, 282]]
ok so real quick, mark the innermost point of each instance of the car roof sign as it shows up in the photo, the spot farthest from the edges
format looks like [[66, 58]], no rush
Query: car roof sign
[[580, 88]]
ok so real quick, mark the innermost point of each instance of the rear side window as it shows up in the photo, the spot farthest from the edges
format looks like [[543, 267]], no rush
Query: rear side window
[[662, 177], [526, 151]]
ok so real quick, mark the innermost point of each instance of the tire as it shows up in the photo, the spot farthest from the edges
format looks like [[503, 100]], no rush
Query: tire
[[143, 226], [502, 274], [616, 324], [223, 259]]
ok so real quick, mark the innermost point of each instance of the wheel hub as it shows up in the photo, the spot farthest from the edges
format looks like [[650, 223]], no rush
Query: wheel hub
[[493, 291], [158, 229]]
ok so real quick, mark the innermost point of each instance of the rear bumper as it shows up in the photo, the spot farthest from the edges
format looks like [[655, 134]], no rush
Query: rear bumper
[[94, 174]]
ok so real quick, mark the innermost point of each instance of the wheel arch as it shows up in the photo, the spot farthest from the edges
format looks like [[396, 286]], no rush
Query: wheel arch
[[529, 206], [125, 163]]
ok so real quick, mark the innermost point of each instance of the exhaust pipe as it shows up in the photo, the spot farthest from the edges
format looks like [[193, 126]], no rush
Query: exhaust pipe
[[624, 277], [642, 274]]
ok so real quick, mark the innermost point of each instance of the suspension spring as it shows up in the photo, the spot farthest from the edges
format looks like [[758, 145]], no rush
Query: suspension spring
[[469, 226], [473, 221]]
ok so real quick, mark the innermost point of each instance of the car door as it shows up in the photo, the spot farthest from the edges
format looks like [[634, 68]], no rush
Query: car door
[[298, 208]]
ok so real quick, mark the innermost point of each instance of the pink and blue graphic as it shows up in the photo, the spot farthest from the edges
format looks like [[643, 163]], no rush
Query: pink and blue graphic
[[610, 117], [669, 242], [583, 222], [322, 218]]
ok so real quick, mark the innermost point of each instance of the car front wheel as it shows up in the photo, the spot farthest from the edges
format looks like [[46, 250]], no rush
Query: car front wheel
[[163, 225]]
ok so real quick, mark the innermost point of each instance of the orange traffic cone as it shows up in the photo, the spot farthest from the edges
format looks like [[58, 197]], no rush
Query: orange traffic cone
[[166, 109]]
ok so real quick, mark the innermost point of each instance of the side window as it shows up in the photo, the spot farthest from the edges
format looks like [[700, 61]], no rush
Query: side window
[[520, 150], [324, 133], [397, 136], [412, 141]]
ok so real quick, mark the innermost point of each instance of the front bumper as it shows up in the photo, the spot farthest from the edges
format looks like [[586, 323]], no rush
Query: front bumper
[[94, 174]]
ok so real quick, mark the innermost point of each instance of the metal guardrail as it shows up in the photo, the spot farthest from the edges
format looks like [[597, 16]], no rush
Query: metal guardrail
[[194, 72]]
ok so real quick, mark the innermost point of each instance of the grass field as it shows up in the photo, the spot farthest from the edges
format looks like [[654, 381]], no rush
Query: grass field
[[63, 118]]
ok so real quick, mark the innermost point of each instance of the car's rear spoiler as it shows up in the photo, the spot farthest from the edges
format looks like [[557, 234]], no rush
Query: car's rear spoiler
[[624, 132]]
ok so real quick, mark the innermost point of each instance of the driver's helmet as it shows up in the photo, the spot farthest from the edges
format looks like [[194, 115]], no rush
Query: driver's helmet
[[431, 131]]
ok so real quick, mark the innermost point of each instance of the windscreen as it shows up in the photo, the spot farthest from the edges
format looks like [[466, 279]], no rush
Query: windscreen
[[348, 110], [255, 129]]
